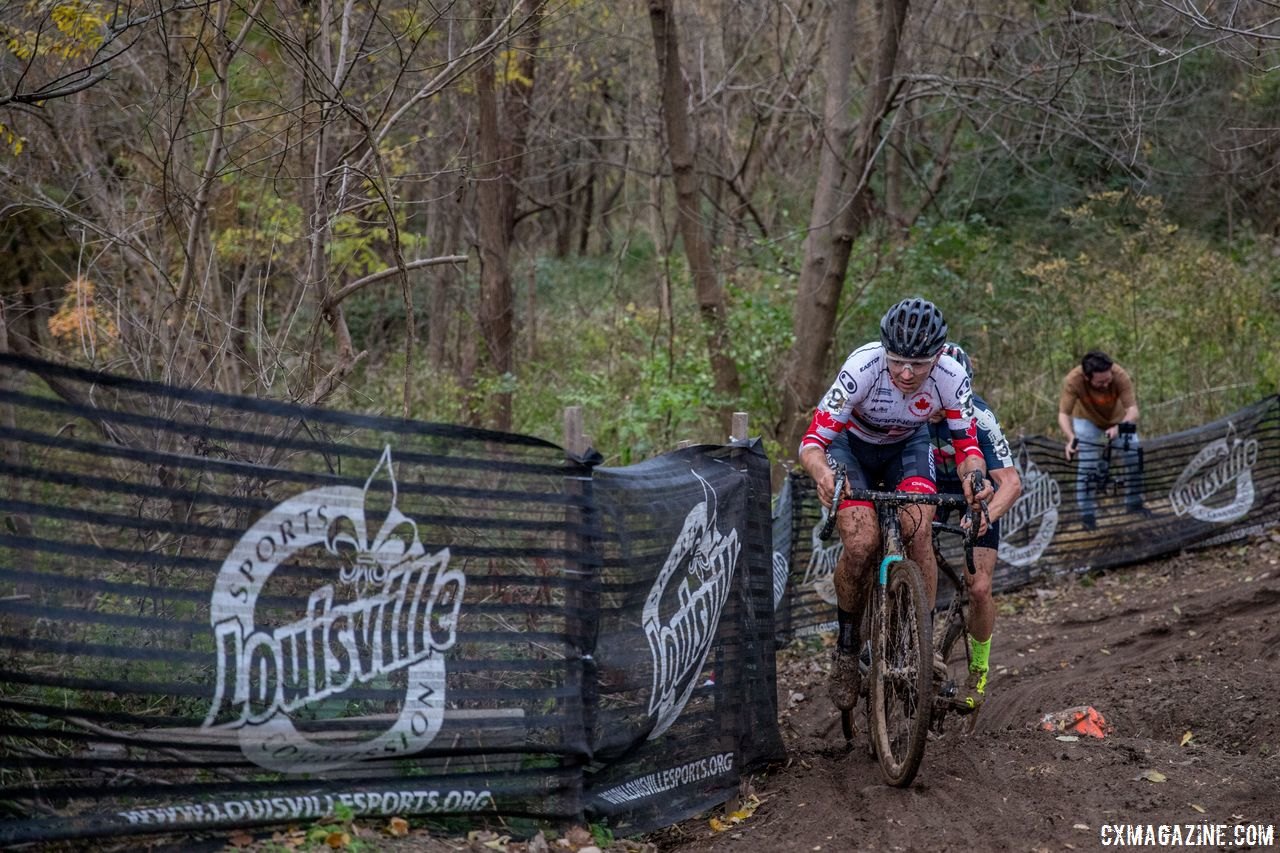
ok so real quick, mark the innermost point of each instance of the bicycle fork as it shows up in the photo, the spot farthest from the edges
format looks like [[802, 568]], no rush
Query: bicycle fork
[[892, 549]]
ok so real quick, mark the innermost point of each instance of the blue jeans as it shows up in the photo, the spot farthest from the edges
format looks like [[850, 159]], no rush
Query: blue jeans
[[1091, 461]]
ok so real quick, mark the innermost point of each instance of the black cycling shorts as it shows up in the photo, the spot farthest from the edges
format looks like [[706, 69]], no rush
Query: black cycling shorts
[[905, 466]]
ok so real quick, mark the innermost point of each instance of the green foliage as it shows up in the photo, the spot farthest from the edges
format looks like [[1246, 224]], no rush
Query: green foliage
[[1196, 325], [1194, 322], [644, 381], [602, 834], [760, 323]]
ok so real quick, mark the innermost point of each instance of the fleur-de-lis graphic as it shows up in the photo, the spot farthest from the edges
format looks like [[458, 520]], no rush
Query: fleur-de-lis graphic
[[680, 641], [371, 562], [1027, 469]]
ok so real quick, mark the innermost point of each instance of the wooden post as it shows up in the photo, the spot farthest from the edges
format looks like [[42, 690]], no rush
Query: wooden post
[[738, 429], [574, 440], [581, 598]]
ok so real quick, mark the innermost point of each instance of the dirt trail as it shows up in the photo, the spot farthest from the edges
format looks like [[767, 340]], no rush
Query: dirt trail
[[1181, 656]]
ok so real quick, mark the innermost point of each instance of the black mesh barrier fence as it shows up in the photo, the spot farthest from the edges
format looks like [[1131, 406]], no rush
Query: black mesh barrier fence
[[1204, 486], [685, 653], [811, 593], [218, 611], [1149, 497], [782, 558]]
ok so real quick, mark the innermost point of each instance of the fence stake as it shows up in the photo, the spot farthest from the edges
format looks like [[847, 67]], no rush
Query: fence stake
[[738, 428], [574, 440]]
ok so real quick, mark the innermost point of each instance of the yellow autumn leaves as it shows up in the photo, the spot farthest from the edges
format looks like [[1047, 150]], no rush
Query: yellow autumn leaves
[[80, 320], [77, 29]]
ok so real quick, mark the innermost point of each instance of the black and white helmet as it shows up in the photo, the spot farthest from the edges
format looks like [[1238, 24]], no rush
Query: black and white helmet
[[914, 328], [954, 350]]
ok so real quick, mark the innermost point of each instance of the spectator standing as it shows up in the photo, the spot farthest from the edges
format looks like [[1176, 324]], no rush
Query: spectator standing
[[1097, 404]]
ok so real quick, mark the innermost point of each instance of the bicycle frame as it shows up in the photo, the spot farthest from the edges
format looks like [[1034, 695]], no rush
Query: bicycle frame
[[900, 696]]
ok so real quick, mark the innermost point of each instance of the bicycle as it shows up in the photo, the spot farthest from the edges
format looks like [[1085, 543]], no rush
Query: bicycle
[[900, 692]]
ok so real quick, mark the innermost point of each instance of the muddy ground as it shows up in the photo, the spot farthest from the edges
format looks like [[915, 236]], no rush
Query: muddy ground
[[1181, 657]]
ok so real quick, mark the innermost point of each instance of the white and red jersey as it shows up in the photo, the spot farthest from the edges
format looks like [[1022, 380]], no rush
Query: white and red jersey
[[864, 401]]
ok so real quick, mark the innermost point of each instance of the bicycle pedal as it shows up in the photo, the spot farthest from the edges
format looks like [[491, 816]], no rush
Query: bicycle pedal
[[947, 690]]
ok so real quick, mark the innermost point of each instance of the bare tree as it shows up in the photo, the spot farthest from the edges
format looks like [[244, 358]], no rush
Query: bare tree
[[693, 233], [842, 204], [227, 234], [499, 167]]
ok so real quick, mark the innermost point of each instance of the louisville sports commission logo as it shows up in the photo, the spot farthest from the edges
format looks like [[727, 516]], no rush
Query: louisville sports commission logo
[[1034, 514], [682, 610], [390, 608], [1222, 469]]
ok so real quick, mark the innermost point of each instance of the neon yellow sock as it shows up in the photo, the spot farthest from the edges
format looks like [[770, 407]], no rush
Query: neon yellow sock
[[979, 653]]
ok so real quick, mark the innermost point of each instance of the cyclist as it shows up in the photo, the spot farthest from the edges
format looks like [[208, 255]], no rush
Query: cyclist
[[874, 420], [998, 462], [1098, 400]]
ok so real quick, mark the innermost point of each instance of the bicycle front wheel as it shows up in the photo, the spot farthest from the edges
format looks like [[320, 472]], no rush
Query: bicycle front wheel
[[901, 694]]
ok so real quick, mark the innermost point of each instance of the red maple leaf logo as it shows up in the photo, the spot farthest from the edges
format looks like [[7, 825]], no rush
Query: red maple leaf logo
[[922, 404]]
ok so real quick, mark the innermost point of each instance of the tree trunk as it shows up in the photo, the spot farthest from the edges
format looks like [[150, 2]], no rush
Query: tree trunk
[[517, 91], [501, 161], [680, 147], [842, 208], [496, 310]]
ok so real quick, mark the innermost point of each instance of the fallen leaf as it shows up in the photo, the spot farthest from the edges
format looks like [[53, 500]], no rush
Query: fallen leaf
[[1080, 826], [579, 836], [337, 840], [1152, 776], [749, 806], [291, 840], [1186, 738], [240, 839], [1068, 738], [717, 825], [1198, 808], [398, 826]]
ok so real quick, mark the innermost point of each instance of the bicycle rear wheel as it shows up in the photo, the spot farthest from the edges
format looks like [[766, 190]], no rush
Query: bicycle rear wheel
[[901, 695]]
